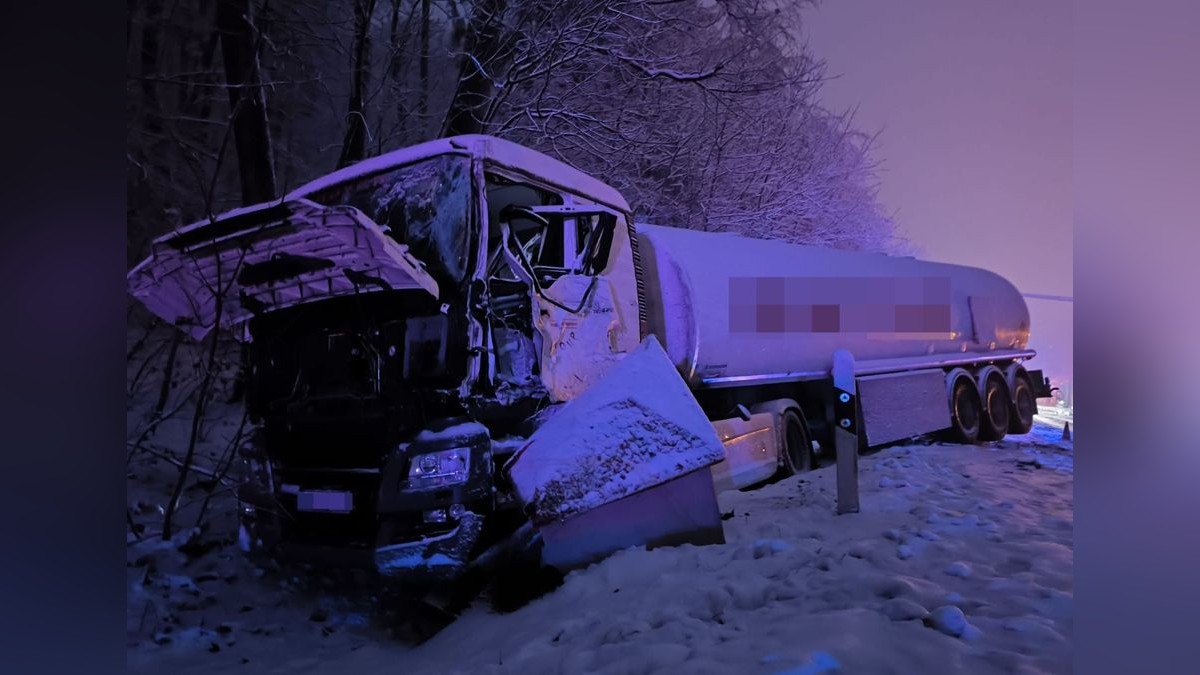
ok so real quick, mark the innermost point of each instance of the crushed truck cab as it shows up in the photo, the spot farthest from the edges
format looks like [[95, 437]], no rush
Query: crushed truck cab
[[403, 316]]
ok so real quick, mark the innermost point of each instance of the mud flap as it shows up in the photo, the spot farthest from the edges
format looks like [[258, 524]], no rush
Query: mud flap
[[627, 463]]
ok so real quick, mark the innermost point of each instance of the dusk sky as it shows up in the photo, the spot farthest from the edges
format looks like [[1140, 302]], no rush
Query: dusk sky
[[973, 104]]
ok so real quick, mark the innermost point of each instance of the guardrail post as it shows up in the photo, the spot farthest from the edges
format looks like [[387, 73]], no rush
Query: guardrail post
[[845, 431]]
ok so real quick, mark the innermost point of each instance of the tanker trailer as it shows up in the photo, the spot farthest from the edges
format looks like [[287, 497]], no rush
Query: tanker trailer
[[410, 320], [754, 323]]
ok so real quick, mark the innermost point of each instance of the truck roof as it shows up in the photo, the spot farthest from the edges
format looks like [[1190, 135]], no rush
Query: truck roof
[[495, 151]]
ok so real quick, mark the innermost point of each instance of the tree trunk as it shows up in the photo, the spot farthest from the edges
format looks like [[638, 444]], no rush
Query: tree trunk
[[247, 101], [423, 100], [164, 389], [354, 146], [483, 45]]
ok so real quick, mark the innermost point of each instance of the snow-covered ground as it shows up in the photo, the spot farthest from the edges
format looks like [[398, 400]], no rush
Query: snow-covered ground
[[959, 561]]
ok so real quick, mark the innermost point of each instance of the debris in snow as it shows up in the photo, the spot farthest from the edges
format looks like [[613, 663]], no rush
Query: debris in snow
[[893, 535], [958, 569], [904, 552], [617, 438], [928, 535], [902, 609], [886, 482]]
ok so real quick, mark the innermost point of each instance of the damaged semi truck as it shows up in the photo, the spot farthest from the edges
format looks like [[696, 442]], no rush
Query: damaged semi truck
[[409, 321]]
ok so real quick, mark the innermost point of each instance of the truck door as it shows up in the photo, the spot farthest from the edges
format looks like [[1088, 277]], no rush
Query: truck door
[[575, 313], [580, 330], [573, 257]]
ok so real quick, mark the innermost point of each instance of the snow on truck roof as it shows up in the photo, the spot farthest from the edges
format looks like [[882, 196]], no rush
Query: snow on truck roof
[[496, 151]]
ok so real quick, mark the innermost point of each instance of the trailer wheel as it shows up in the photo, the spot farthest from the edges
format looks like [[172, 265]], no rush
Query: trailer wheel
[[995, 405], [1024, 405], [797, 447], [965, 412]]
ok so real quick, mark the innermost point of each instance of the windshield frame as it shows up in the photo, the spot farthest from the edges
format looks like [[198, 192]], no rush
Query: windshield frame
[[359, 190]]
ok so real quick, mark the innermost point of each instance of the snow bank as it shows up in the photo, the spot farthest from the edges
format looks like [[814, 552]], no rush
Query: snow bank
[[798, 589], [638, 427]]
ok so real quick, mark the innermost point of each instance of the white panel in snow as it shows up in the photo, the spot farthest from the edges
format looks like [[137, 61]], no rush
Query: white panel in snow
[[638, 427]]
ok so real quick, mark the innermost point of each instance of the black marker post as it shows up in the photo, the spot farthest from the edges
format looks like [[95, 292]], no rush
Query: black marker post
[[845, 431]]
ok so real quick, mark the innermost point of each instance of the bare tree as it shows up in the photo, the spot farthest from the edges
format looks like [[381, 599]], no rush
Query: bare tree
[[247, 101], [355, 144], [482, 57]]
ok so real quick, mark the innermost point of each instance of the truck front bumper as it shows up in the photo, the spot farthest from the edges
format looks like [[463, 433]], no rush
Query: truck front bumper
[[408, 559], [437, 558]]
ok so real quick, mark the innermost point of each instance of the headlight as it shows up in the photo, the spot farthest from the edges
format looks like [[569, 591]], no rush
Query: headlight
[[434, 469]]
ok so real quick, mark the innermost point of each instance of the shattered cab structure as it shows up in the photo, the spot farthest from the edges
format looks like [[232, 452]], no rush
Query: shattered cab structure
[[405, 319]]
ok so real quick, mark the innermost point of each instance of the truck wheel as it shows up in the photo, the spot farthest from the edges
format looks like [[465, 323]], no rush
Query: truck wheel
[[964, 412], [797, 448], [996, 403], [1024, 406]]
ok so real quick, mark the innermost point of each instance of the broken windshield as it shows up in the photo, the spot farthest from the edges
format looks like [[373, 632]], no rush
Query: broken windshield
[[425, 205]]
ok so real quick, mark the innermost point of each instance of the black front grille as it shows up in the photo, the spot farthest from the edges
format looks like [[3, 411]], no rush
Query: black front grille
[[356, 529]]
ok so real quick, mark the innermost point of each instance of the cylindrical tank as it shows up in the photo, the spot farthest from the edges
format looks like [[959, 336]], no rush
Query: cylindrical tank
[[726, 306]]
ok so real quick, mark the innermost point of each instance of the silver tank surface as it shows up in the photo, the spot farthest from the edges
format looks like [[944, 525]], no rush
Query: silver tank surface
[[726, 306]]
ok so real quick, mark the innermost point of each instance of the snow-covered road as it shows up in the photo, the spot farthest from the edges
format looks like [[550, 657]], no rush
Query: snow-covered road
[[960, 561]]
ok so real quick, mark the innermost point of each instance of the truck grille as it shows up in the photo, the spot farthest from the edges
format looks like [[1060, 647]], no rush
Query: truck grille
[[357, 529]]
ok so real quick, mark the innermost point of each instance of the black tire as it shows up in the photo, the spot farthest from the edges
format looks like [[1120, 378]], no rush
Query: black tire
[[965, 412], [797, 446], [1024, 406], [995, 406]]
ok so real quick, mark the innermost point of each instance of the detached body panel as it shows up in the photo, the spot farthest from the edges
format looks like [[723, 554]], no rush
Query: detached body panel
[[624, 464]]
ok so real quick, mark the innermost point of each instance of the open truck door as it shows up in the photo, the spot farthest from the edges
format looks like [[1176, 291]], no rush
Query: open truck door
[[270, 257]]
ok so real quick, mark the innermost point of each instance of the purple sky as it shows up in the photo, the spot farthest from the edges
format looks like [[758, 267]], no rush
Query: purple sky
[[973, 102]]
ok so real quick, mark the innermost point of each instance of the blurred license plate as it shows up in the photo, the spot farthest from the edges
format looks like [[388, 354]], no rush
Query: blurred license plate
[[325, 500]]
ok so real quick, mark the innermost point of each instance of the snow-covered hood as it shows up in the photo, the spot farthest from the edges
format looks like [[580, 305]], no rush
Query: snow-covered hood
[[268, 257]]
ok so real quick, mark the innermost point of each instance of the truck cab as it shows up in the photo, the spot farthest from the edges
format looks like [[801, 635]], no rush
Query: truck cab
[[406, 320]]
